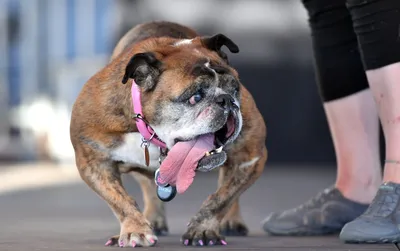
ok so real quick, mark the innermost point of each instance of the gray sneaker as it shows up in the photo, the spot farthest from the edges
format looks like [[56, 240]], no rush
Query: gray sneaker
[[381, 221], [324, 214]]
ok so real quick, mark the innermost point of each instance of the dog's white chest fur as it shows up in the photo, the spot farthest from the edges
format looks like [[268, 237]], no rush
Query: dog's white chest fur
[[132, 153]]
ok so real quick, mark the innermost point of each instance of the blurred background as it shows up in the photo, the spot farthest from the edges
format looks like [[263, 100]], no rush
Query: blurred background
[[50, 48]]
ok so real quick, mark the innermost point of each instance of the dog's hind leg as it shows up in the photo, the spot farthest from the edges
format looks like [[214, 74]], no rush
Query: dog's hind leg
[[154, 208]]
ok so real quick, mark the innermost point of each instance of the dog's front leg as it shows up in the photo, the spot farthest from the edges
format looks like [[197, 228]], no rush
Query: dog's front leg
[[203, 228], [232, 223], [154, 208], [105, 180]]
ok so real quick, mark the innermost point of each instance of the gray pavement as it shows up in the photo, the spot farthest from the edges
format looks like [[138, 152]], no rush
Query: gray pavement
[[72, 217]]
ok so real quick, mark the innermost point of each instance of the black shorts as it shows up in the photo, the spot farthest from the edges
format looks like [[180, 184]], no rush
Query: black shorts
[[350, 37]]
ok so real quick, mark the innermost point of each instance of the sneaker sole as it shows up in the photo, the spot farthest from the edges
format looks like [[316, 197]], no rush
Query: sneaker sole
[[301, 232], [382, 240]]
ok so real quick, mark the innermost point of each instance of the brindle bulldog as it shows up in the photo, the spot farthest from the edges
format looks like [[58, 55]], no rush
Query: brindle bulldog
[[168, 90]]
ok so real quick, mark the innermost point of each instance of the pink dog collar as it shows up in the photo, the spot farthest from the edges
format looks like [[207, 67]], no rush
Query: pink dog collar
[[144, 128]]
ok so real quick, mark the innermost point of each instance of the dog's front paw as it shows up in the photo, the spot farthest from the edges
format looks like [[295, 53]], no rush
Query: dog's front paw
[[233, 227], [205, 233], [134, 234], [132, 240]]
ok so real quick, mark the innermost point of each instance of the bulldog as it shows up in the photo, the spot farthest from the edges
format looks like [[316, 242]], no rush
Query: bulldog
[[168, 100]]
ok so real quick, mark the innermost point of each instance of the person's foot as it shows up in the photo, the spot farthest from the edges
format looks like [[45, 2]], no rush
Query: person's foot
[[326, 213], [380, 223]]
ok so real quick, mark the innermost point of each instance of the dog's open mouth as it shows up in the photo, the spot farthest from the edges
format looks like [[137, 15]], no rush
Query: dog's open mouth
[[222, 136], [202, 153]]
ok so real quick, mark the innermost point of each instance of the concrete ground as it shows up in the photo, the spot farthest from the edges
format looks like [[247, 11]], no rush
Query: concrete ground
[[46, 207]]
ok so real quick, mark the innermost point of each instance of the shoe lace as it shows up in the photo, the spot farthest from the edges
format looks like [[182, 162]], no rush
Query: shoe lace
[[319, 199], [383, 204]]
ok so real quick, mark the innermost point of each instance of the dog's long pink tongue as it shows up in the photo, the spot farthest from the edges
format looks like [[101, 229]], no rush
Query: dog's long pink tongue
[[178, 168]]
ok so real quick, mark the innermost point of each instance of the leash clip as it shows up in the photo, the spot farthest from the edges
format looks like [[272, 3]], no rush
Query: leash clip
[[163, 154], [145, 143], [165, 192]]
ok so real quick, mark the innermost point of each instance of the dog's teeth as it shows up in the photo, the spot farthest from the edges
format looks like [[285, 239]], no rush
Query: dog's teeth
[[218, 150], [208, 153]]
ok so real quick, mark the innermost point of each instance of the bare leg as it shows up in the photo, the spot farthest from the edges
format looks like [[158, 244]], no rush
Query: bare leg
[[380, 222], [377, 26], [353, 122], [385, 84]]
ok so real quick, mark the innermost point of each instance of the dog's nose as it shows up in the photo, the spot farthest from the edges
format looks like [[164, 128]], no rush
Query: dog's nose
[[225, 101]]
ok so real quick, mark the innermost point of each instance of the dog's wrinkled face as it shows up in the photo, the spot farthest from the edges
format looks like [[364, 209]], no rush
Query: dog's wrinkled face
[[190, 93], [209, 105]]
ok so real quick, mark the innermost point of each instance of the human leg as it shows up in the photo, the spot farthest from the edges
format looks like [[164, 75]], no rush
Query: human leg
[[353, 122], [377, 26]]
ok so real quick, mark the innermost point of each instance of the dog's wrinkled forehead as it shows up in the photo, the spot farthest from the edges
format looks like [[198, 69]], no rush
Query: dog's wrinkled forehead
[[200, 73], [193, 54], [188, 52], [192, 63], [166, 66], [206, 66]]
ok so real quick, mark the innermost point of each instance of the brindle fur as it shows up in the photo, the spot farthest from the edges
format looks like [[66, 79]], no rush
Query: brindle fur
[[102, 113]]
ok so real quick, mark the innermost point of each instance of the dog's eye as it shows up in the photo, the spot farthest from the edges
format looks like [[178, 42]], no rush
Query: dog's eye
[[195, 98]]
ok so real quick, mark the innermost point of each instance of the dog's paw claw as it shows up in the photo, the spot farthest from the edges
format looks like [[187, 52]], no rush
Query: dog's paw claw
[[109, 243], [152, 241], [202, 238], [112, 241], [199, 243], [133, 240]]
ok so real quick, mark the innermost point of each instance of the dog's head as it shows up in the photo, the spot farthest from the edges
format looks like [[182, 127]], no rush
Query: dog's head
[[189, 91]]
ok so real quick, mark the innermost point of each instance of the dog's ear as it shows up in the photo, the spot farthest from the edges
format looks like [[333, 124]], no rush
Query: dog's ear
[[144, 68], [217, 41]]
